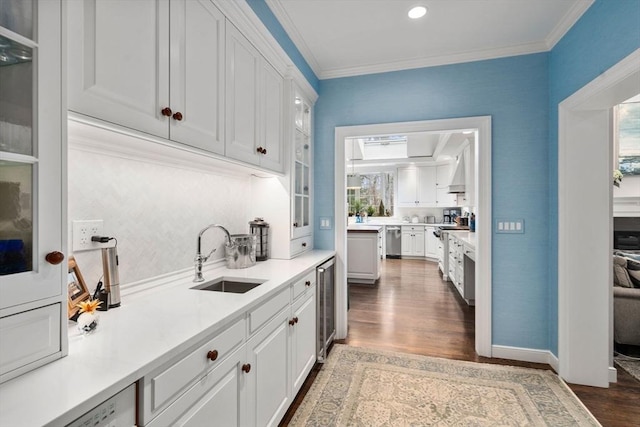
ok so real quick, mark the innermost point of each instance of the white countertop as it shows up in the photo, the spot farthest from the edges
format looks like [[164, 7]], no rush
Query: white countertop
[[146, 331], [365, 228], [467, 238]]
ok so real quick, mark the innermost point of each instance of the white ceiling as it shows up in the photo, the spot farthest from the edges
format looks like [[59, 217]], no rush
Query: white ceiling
[[351, 37]]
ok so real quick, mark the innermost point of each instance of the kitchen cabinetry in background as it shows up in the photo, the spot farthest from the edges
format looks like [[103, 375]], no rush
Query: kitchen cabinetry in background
[[412, 240], [425, 186], [430, 243], [161, 72], [468, 198], [443, 179], [254, 91], [33, 295]]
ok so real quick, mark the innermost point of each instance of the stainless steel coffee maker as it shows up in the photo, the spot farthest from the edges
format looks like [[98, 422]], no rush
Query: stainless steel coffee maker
[[111, 276], [259, 228]]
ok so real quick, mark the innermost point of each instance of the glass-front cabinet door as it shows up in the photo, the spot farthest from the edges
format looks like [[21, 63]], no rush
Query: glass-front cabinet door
[[302, 168], [31, 185]]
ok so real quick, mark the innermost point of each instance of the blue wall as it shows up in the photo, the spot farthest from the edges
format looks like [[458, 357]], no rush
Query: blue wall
[[607, 32], [514, 92], [521, 94], [269, 20]]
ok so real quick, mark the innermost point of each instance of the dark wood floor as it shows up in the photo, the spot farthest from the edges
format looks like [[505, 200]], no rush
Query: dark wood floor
[[412, 310]]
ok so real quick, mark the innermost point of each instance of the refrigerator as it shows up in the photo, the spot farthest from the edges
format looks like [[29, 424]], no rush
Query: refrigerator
[[326, 309]]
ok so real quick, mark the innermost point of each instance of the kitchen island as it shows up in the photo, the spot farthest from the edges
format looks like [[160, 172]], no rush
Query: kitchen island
[[153, 330], [364, 250]]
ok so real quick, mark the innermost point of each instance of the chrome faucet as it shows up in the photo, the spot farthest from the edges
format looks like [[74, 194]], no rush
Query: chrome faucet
[[199, 259]]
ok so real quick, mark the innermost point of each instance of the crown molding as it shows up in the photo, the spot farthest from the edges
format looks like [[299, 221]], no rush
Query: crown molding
[[567, 21], [570, 18], [470, 56], [240, 14], [291, 29]]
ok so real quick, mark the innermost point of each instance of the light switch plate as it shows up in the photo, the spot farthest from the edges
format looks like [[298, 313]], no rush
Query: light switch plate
[[325, 223], [509, 226]]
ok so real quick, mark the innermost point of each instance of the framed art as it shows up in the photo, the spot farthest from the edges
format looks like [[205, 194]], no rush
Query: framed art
[[76, 288]]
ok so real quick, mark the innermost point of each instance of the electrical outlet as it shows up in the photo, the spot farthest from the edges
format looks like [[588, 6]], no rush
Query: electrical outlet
[[82, 232]]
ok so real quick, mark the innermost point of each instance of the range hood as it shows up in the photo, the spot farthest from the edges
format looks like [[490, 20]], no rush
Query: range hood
[[457, 178]]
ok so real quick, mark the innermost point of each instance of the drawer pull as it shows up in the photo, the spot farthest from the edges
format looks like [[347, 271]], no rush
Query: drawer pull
[[304, 245], [307, 283], [166, 111], [212, 355], [295, 319], [246, 368], [178, 116], [292, 322]]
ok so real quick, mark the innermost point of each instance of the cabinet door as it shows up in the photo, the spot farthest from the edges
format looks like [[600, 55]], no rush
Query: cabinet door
[[242, 82], [418, 243], [427, 186], [443, 179], [119, 62], [197, 74], [271, 140], [31, 156], [217, 396], [301, 168], [407, 186], [268, 394], [303, 343], [406, 247], [431, 242]]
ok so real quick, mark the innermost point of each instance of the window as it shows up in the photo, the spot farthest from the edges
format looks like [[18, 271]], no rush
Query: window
[[375, 195], [627, 137]]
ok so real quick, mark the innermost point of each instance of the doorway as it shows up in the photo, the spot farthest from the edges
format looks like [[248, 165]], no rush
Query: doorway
[[482, 181], [585, 293]]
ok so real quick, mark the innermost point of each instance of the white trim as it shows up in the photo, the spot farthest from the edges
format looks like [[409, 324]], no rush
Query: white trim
[[613, 374], [292, 31], [567, 21], [525, 355], [585, 294], [570, 18], [554, 362], [483, 227]]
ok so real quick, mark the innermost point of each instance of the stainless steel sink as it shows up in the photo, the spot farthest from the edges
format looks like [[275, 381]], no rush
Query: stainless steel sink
[[234, 285]]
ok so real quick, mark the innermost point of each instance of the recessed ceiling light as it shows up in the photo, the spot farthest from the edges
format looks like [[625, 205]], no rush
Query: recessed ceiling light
[[417, 12]]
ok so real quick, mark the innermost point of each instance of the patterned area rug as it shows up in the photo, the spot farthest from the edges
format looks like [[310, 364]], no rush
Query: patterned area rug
[[364, 387], [631, 366]]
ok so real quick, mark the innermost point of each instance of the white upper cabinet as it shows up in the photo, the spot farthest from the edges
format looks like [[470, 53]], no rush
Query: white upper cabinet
[[156, 66], [443, 179], [33, 269], [197, 74], [426, 188], [407, 187], [254, 112]]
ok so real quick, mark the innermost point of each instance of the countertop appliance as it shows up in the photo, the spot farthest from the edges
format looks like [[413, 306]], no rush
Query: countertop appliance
[[111, 276], [326, 308], [394, 241], [259, 228]]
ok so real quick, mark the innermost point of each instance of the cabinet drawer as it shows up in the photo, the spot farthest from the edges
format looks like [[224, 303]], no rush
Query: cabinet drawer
[[214, 400], [301, 245], [35, 334], [301, 286], [165, 383], [267, 310]]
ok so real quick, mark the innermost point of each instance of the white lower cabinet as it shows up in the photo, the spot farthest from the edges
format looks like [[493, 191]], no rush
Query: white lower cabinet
[[430, 243], [245, 375], [412, 243]]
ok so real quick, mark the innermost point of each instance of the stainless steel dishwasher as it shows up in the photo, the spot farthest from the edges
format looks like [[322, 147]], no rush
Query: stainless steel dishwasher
[[394, 241], [326, 313]]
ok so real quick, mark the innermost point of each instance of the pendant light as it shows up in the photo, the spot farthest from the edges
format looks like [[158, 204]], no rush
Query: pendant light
[[353, 180]]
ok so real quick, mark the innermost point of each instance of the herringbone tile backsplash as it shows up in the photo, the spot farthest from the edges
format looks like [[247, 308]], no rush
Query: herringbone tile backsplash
[[155, 211]]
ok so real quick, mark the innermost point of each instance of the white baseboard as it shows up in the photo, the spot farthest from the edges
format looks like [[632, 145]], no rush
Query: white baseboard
[[526, 355], [613, 375]]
